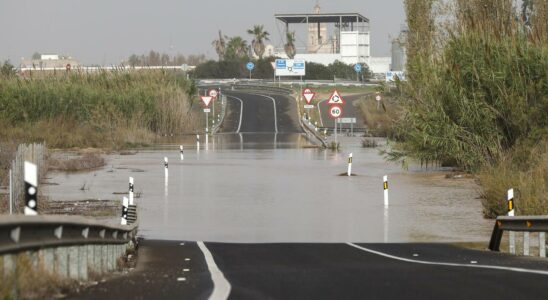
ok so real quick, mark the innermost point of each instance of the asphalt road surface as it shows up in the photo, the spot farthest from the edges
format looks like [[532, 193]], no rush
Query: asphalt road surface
[[198, 270], [260, 113], [349, 111], [188, 270]]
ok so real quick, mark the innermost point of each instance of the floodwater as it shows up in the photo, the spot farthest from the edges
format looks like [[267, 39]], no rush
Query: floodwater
[[269, 188]]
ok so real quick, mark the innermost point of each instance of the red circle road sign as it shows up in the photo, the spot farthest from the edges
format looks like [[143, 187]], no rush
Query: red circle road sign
[[213, 93], [335, 111]]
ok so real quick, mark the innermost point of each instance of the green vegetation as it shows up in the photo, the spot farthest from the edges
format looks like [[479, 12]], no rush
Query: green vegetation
[[380, 117], [104, 109], [235, 52], [476, 95]]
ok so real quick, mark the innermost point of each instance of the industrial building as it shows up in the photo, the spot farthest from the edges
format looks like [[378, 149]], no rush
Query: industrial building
[[339, 36]]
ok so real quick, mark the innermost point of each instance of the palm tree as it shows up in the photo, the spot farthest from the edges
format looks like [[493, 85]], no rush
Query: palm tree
[[258, 41], [220, 46], [289, 47], [237, 47]]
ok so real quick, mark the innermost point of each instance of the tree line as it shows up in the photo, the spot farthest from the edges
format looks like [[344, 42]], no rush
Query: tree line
[[234, 52], [154, 58]]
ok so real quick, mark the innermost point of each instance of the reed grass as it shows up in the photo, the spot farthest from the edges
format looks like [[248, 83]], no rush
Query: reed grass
[[104, 109], [476, 93]]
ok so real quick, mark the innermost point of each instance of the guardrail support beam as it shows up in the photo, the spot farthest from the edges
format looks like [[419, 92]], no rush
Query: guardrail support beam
[[526, 244], [542, 244], [61, 262], [83, 262]]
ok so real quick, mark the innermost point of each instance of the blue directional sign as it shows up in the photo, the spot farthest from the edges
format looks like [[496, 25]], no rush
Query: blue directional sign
[[357, 68], [250, 66]]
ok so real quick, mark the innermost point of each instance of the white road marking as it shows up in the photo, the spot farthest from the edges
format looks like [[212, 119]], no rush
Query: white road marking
[[423, 262], [320, 111], [187, 259], [186, 270], [182, 244], [241, 111], [275, 113], [221, 286], [181, 279]]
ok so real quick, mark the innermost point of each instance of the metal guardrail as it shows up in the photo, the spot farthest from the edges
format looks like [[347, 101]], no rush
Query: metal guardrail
[[269, 88], [21, 233], [311, 129], [524, 224]]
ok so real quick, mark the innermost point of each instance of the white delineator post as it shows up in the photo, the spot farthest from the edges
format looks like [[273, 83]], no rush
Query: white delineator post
[[31, 189], [349, 171], [166, 167], [511, 213], [125, 206], [198, 142], [131, 189], [385, 188], [182, 152]]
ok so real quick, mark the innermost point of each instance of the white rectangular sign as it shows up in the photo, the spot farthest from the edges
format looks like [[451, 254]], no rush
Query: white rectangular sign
[[290, 67], [308, 106], [346, 120], [391, 76], [207, 110]]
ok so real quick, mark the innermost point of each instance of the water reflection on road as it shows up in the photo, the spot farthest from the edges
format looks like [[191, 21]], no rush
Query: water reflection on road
[[268, 188]]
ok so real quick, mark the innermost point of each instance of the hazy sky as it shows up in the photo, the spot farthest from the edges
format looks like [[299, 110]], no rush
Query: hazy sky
[[108, 31]]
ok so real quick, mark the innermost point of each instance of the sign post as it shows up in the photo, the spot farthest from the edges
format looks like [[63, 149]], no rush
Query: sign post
[[378, 98], [213, 93], [308, 95], [335, 112], [207, 100], [250, 66], [358, 69]]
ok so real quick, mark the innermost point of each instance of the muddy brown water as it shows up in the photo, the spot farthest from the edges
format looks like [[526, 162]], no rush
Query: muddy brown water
[[271, 188]]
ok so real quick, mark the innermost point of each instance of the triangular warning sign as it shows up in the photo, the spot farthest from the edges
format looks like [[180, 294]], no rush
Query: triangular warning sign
[[336, 98], [206, 100], [308, 95]]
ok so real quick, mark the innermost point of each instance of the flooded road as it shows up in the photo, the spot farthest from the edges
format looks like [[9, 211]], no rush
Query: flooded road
[[271, 188]]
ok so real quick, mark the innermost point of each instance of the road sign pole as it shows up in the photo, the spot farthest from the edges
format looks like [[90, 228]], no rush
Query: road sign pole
[[207, 131], [336, 131]]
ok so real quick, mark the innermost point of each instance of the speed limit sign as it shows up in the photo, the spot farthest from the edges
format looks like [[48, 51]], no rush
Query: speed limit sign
[[335, 111], [213, 93]]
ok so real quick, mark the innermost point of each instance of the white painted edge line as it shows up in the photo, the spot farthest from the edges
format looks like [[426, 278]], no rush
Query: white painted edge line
[[221, 286], [512, 269], [275, 114], [241, 111], [320, 111]]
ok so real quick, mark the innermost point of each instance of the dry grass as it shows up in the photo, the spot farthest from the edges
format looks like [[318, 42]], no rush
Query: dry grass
[[28, 283], [380, 118], [528, 178], [87, 161]]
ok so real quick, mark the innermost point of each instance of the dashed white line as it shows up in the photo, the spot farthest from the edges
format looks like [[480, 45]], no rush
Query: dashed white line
[[221, 286], [181, 279], [423, 262]]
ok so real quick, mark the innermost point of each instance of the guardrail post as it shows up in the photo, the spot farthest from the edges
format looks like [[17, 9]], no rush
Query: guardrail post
[[90, 259], [48, 260], [542, 244], [73, 262], [61, 258], [104, 258], [9, 264], [526, 243], [83, 262]]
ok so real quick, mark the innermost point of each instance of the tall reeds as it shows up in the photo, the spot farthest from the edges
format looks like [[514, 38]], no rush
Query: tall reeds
[[97, 109], [477, 83]]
